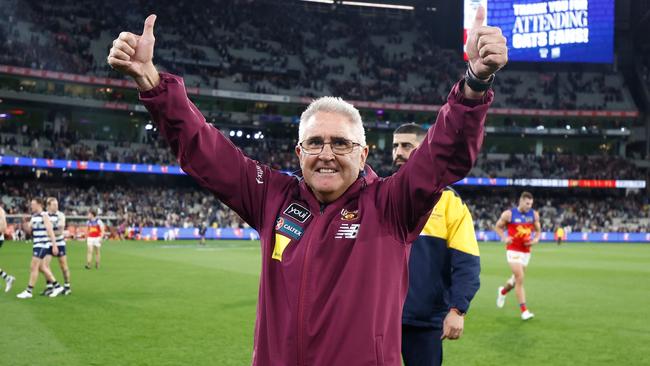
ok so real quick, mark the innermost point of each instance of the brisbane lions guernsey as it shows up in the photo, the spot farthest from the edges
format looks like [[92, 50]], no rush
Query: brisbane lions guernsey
[[95, 228], [520, 229]]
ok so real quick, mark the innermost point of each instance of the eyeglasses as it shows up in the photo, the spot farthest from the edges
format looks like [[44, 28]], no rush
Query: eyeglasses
[[339, 145]]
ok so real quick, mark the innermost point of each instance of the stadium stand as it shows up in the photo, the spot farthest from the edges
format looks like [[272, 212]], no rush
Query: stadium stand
[[185, 205], [557, 166], [279, 153], [303, 52], [577, 211], [182, 205]]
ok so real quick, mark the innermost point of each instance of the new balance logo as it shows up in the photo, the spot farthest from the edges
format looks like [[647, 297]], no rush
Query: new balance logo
[[347, 231]]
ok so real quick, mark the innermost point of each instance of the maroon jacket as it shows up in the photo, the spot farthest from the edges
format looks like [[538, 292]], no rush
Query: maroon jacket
[[334, 277]]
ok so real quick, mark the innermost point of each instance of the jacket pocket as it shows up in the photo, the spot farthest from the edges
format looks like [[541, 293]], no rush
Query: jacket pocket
[[379, 350]]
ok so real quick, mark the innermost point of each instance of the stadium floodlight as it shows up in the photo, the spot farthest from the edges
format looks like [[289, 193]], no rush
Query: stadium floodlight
[[378, 5], [148, 126], [239, 133], [320, 1], [232, 133]]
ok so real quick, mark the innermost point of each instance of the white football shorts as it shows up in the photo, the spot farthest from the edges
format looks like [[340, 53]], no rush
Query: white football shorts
[[514, 256]]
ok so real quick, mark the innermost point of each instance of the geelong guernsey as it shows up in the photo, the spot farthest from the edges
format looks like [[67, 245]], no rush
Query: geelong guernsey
[[56, 219], [39, 232]]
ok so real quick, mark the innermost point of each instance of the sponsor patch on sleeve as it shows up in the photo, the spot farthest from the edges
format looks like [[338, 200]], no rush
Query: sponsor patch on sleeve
[[288, 228]]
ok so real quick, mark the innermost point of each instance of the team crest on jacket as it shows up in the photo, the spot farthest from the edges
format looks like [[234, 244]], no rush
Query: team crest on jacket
[[349, 215], [347, 231]]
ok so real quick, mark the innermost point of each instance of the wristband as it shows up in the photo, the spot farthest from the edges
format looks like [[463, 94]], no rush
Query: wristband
[[475, 83]]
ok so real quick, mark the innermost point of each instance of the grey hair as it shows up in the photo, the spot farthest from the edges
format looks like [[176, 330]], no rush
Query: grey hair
[[333, 105]]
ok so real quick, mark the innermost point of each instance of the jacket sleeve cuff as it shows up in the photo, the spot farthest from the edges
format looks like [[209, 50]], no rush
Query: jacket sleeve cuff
[[457, 96], [165, 80]]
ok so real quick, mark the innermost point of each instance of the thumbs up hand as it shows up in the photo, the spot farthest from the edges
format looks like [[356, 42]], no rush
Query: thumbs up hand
[[486, 47], [132, 55]]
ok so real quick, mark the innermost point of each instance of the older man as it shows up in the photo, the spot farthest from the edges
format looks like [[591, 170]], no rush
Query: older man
[[334, 241]]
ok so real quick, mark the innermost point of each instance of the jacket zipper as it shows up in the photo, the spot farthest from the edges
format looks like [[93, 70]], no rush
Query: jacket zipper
[[301, 294]]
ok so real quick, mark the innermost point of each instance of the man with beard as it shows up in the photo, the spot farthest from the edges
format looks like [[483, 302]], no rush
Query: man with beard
[[444, 268]]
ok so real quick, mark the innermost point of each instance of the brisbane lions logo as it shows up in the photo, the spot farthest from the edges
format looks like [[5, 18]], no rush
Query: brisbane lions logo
[[523, 232], [349, 215]]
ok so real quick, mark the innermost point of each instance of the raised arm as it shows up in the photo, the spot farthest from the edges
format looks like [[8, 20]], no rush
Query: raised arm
[[452, 144], [445, 156], [202, 151]]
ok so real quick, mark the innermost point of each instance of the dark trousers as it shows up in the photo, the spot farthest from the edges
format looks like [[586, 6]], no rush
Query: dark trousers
[[421, 346]]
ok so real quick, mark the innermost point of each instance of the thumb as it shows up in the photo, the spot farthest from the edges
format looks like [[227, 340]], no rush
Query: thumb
[[148, 25], [479, 19]]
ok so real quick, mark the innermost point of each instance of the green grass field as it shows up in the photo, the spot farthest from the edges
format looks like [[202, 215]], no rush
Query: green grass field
[[180, 304]]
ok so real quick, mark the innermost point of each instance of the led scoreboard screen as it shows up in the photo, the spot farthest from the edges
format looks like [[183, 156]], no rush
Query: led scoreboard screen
[[551, 31]]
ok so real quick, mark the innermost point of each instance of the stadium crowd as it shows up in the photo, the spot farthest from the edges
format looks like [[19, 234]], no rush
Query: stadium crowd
[[127, 206], [577, 213], [301, 52], [186, 205], [554, 166], [279, 154], [21, 140]]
